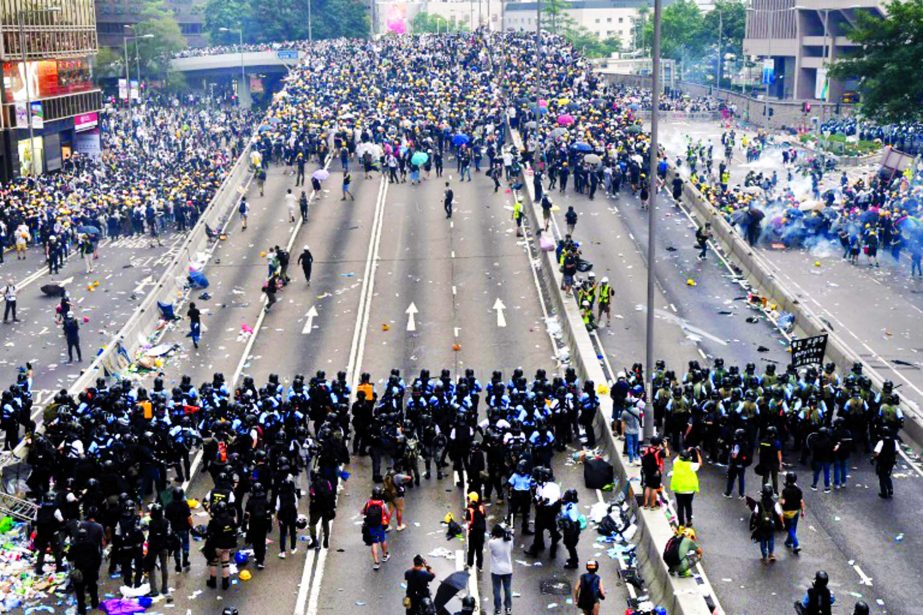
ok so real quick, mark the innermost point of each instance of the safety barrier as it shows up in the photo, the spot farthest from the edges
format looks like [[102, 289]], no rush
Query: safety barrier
[[759, 273], [120, 348], [680, 596]]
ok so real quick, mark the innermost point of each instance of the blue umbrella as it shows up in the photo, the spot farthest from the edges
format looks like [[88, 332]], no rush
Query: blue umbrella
[[460, 139], [419, 158], [582, 147], [88, 230]]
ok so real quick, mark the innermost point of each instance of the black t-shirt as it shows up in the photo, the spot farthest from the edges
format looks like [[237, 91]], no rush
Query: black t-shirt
[[791, 496], [418, 580], [194, 315]]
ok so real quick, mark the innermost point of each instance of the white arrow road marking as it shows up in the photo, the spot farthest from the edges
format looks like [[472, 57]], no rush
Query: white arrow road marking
[[501, 319], [411, 311], [309, 323]]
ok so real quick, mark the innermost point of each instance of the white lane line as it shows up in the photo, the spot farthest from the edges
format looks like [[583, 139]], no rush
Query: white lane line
[[356, 351], [864, 578]]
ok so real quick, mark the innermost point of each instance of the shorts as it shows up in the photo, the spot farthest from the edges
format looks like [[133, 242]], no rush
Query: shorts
[[653, 481], [603, 308], [378, 534], [20, 246], [568, 279]]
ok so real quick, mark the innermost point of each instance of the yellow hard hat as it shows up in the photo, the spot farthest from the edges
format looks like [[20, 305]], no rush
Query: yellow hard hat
[[473, 496]]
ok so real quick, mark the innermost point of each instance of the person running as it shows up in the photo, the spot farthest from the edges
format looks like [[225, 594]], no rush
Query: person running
[[500, 547], [322, 508], [702, 236], [243, 210], [195, 324], [375, 522], [589, 591], [306, 260]]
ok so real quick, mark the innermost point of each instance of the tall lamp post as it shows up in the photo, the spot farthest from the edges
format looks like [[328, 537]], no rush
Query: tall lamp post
[[21, 20], [240, 34], [651, 216], [720, 35], [125, 39]]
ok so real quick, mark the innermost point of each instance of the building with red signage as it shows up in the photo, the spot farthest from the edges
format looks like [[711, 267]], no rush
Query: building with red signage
[[49, 102]]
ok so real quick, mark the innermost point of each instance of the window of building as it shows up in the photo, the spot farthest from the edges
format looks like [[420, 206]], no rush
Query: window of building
[[608, 20], [621, 19]]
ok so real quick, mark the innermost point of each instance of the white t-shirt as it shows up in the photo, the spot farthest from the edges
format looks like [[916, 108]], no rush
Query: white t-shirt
[[501, 556]]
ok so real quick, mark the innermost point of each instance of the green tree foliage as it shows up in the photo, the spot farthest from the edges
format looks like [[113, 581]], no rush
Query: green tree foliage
[[226, 14], [424, 22], [889, 50], [108, 64], [730, 18], [682, 28], [265, 21], [554, 18], [590, 44], [165, 39]]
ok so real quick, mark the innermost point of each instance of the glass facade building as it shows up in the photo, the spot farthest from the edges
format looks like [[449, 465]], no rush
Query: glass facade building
[[52, 89]]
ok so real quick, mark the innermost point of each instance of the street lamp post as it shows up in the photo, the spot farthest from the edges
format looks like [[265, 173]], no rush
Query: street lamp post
[[538, 49], [21, 19], [243, 76], [651, 215], [125, 39], [310, 31], [720, 34]]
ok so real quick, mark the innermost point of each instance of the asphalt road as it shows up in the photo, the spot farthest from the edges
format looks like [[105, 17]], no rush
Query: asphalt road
[[453, 271], [126, 270], [852, 534]]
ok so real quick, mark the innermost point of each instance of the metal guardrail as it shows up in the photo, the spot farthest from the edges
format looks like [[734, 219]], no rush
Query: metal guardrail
[[171, 285], [680, 596]]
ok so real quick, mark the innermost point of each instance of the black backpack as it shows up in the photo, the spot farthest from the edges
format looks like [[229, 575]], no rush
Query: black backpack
[[671, 551], [374, 515]]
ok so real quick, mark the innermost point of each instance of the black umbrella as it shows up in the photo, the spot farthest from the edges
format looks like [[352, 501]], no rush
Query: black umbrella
[[53, 290], [448, 588], [757, 214]]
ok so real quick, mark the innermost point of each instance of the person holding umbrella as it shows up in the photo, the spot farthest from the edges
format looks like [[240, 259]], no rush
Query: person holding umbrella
[[418, 579]]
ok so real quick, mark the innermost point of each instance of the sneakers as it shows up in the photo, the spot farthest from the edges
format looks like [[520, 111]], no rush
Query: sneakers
[[260, 566], [826, 489], [282, 555], [401, 527], [386, 557], [294, 550], [727, 495], [813, 487], [376, 566]]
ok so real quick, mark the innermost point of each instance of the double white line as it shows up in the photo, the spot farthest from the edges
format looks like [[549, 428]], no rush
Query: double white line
[[309, 588]]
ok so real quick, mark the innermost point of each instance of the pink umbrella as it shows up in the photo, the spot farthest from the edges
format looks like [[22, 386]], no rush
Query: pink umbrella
[[565, 119]]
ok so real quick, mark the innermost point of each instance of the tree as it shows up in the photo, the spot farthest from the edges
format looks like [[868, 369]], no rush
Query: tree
[[888, 50], [590, 44], [424, 22], [681, 30], [108, 65], [287, 20], [228, 14], [554, 16], [640, 28], [165, 40], [730, 18]]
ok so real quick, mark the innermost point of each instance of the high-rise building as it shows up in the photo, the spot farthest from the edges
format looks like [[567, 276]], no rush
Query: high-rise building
[[798, 42], [49, 100], [113, 15]]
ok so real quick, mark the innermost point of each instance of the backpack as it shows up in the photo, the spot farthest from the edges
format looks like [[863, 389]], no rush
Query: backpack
[[260, 509], [374, 515], [649, 461], [568, 526], [763, 518], [671, 551]]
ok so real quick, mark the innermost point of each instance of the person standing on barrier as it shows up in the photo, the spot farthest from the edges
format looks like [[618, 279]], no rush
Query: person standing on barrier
[[685, 483]]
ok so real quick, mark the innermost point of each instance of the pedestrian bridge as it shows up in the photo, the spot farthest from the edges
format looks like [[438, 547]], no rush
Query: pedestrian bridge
[[279, 59]]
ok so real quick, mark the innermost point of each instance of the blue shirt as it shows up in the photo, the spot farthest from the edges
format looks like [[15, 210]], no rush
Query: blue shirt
[[520, 482]]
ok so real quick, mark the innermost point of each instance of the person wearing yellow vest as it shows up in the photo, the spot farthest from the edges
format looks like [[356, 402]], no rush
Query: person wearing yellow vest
[[517, 216], [685, 483], [604, 294]]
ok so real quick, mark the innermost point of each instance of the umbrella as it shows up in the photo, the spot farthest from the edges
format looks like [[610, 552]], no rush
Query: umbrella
[[811, 206], [449, 586], [757, 214], [582, 147], [634, 129], [558, 132], [752, 190], [88, 230], [531, 124], [275, 120], [364, 147], [419, 158], [460, 139], [321, 174], [565, 119], [592, 159], [53, 290], [741, 217]]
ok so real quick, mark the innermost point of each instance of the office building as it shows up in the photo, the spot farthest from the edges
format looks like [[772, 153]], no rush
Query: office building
[[113, 15], [604, 18], [52, 90], [795, 41]]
